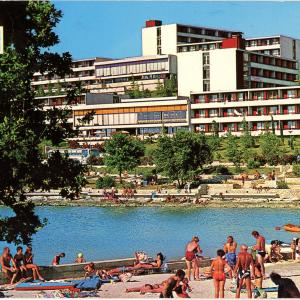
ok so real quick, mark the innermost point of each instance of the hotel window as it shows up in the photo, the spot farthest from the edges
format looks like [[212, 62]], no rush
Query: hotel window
[[213, 98], [206, 73], [241, 96], [291, 93], [201, 99], [213, 112], [291, 109], [291, 124], [260, 125], [201, 113], [206, 58], [206, 86], [260, 111], [273, 110], [201, 127]]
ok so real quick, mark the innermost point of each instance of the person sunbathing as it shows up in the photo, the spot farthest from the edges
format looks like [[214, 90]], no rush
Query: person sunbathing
[[89, 270], [28, 259], [147, 288], [6, 260], [141, 265]]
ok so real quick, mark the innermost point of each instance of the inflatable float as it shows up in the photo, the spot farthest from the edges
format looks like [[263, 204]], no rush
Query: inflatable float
[[291, 228]]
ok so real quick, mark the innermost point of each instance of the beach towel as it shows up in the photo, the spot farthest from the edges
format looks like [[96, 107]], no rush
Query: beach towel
[[92, 283]]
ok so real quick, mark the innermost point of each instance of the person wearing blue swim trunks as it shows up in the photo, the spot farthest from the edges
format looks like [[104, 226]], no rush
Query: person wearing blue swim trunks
[[230, 251]]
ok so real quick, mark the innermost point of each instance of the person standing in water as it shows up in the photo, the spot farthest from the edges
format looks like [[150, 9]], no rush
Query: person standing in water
[[191, 251]]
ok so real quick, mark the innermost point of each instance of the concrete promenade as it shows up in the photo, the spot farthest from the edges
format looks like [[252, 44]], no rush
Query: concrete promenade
[[202, 289]]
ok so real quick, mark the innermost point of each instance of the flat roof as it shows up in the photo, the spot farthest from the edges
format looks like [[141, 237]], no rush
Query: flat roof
[[270, 37]]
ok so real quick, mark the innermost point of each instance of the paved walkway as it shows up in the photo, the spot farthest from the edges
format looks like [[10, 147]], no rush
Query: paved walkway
[[202, 289]]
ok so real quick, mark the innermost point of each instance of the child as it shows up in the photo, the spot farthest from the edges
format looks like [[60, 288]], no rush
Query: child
[[89, 270], [217, 268], [80, 259]]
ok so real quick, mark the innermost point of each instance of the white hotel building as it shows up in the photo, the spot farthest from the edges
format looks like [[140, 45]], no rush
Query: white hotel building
[[221, 77]]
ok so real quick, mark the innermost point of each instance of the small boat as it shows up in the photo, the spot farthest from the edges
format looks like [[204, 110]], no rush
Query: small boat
[[291, 228]]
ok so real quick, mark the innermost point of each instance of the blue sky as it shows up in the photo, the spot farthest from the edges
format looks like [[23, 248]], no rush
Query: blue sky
[[113, 29]]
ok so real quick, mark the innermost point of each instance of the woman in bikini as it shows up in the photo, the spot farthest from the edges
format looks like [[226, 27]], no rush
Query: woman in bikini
[[191, 251], [28, 259], [6, 260], [218, 268]]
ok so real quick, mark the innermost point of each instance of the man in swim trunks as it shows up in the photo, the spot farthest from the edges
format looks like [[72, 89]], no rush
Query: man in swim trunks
[[191, 251], [230, 249], [6, 260], [171, 283], [217, 269], [260, 249], [244, 270]]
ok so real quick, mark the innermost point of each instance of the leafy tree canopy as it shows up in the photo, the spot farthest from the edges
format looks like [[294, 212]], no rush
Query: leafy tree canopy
[[180, 156], [269, 146], [123, 152], [24, 124]]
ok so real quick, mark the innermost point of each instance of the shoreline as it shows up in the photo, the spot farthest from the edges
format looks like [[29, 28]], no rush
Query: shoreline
[[274, 204]]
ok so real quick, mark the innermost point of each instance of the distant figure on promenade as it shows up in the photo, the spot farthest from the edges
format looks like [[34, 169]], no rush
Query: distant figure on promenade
[[230, 251], [171, 283], [218, 271], [79, 259], [257, 175], [244, 271], [191, 251], [56, 259], [260, 249], [286, 286], [28, 257], [8, 265]]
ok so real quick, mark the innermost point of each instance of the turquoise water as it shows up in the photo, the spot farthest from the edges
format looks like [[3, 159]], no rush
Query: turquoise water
[[104, 233]]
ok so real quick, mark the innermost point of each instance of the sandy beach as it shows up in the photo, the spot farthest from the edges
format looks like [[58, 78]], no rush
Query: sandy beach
[[202, 289]]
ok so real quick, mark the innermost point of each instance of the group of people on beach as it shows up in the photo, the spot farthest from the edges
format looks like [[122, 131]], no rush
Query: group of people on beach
[[243, 266], [17, 266]]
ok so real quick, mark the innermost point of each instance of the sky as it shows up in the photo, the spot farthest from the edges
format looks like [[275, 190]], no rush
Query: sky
[[113, 29]]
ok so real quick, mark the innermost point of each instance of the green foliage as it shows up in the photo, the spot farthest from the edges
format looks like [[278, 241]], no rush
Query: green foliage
[[105, 182], [253, 164], [269, 145], [282, 184], [180, 156], [222, 170], [234, 154], [123, 153], [247, 141], [214, 142], [296, 170], [24, 125]]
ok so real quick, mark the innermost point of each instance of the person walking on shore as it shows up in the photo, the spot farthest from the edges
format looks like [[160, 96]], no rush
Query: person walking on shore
[[260, 249], [192, 261], [230, 251], [218, 271], [244, 271]]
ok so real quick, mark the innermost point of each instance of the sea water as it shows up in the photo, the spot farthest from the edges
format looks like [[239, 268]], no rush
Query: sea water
[[110, 233]]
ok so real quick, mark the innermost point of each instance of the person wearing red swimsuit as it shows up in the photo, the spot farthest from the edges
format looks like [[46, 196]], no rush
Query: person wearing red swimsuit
[[218, 269], [191, 251]]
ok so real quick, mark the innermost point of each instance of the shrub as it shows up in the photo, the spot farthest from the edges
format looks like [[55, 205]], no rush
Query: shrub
[[94, 161], [259, 158], [282, 184], [289, 159], [105, 182], [222, 170], [253, 164], [296, 170]]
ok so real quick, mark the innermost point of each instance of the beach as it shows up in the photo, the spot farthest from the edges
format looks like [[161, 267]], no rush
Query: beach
[[201, 289]]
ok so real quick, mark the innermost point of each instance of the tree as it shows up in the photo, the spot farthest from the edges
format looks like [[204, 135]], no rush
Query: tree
[[281, 131], [234, 154], [180, 156], [24, 125], [269, 145], [123, 153], [246, 141], [272, 125]]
